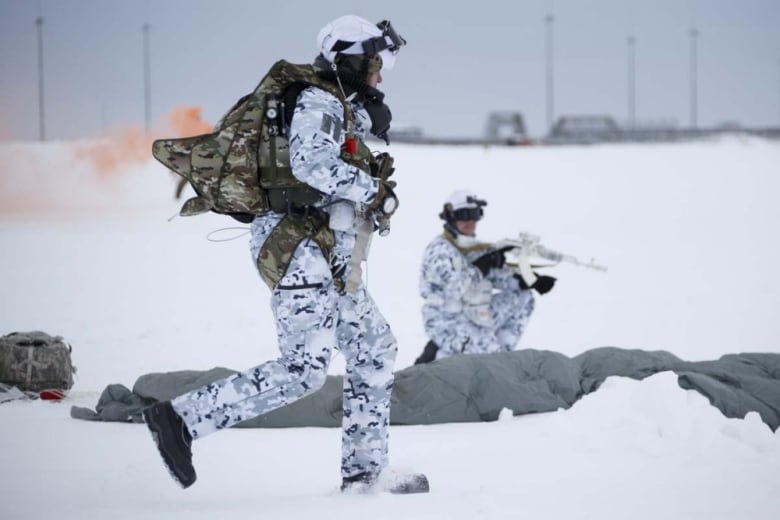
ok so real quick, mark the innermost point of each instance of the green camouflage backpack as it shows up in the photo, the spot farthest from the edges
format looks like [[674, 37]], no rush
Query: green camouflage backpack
[[35, 361], [243, 167]]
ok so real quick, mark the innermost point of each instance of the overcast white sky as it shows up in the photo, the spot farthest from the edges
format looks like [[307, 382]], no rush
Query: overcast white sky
[[461, 61]]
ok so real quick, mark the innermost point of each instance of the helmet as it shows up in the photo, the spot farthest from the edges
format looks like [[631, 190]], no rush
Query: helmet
[[462, 205], [351, 35]]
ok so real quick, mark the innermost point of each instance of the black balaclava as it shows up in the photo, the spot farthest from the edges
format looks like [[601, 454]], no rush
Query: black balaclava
[[353, 72]]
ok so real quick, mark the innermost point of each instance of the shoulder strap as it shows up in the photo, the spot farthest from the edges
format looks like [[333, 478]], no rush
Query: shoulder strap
[[479, 246], [287, 74]]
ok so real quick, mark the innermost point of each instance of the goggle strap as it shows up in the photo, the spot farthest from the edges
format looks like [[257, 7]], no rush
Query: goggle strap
[[341, 45]]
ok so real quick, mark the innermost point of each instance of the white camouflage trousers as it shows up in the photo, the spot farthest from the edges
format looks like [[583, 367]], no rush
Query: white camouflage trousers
[[455, 333], [312, 319]]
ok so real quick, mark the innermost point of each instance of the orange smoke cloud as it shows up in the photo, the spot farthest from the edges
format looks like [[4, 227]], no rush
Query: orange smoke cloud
[[134, 146], [186, 122], [129, 146]]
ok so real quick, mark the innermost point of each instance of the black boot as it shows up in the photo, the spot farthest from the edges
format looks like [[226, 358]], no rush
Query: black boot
[[173, 441], [408, 484], [360, 483], [395, 484], [428, 353]]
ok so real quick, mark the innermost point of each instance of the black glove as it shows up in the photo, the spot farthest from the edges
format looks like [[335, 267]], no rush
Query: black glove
[[492, 260], [382, 166], [543, 283]]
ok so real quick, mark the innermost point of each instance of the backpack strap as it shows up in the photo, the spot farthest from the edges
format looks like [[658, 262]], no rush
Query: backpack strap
[[280, 94], [278, 249]]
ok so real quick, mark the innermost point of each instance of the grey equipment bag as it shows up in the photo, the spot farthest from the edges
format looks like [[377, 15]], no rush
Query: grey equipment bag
[[35, 361]]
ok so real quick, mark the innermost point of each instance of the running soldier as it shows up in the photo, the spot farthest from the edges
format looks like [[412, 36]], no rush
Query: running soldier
[[310, 254]]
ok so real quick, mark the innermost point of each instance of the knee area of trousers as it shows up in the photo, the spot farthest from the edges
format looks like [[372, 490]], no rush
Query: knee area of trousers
[[315, 377], [380, 357], [312, 376]]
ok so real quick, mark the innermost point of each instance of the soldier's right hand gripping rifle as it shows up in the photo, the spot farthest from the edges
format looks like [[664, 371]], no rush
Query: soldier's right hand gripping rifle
[[386, 203]]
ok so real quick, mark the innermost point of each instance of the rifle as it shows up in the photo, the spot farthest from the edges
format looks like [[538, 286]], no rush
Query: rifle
[[527, 246]]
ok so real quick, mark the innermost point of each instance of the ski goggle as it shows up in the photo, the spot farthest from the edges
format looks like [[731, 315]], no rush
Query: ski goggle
[[464, 214], [390, 40]]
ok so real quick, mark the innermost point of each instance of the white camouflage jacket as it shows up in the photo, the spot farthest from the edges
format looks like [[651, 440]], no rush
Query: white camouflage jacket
[[465, 312], [316, 136]]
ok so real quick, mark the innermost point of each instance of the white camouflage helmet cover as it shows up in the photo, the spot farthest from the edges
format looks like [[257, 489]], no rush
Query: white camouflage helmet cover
[[462, 199], [351, 28]]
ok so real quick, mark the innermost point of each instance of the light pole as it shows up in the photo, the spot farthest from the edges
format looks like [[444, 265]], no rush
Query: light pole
[[631, 83], [694, 58], [147, 81], [41, 113], [548, 20], [103, 119]]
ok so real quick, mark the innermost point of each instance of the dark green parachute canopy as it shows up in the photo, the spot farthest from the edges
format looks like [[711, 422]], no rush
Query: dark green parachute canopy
[[233, 169]]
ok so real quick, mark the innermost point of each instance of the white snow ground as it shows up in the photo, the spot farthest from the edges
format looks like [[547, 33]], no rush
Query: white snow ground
[[689, 233]]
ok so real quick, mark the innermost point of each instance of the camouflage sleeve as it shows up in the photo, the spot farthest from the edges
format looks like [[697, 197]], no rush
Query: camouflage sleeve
[[446, 274], [503, 278], [316, 135]]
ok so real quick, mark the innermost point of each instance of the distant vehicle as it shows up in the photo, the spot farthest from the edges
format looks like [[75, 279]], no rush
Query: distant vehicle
[[584, 129], [506, 128]]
